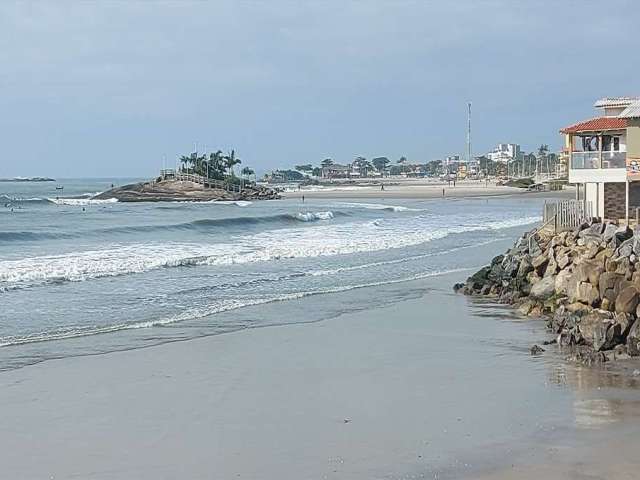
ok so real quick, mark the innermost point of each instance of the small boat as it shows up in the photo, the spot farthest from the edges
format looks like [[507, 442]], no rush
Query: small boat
[[59, 187]]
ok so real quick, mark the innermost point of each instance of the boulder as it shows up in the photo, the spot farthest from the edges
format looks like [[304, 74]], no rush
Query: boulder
[[552, 268], [608, 285], [627, 300], [579, 308], [536, 350], [623, 267], [593, 329], [636, 244], [593, 248], [510, 265], [603, 255], [539, 263], [633, 339], [534, 247], [563, 260], [609, 232], [594, 230], [623, 233], [562, 281], [544, 289], [524, 268], [478, 279], [587, 294], [589, 271], [533, 277], [625, 249]]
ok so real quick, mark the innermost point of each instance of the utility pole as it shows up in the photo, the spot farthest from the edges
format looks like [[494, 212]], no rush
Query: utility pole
[[469, 134]]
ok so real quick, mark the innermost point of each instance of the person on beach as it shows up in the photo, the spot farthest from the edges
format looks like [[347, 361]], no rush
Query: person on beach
[[382, 187], [302, 198], [443, 192]]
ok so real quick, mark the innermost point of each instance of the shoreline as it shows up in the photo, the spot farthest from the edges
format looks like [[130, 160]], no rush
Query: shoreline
[[363, 399], [422, 191]]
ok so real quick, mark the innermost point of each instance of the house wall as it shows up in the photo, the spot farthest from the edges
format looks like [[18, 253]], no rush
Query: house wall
[[591, 195], [586, 175], [613, 111], [615, 200], [633, 139]]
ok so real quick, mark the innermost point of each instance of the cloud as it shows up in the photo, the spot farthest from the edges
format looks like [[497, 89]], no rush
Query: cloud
[[284, 81]]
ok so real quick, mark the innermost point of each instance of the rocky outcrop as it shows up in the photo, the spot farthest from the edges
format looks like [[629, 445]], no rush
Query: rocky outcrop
[[176, 191], [586, 282]]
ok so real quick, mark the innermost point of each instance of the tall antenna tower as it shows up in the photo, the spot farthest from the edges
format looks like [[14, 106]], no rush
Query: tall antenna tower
[[469, 133]]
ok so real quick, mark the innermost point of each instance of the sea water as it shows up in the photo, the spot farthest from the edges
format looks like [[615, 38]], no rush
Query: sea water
[[81, 276]]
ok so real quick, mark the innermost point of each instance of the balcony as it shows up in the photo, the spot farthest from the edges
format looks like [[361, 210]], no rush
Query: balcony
[[593, 160]]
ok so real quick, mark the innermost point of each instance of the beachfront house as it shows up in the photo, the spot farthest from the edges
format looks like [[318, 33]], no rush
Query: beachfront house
[[604, 158], [336, 171]]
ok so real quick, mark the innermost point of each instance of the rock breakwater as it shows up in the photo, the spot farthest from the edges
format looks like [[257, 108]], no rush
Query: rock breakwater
[[585, 282]]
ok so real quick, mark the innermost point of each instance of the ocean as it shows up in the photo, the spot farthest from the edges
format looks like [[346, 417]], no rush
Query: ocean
[[83, 277]]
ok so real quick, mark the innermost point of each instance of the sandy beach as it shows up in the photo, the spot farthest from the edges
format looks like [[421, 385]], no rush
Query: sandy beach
[[419, 190], [403, 391]]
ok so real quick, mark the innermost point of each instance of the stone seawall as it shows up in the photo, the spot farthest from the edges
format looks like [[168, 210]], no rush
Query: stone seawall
[[586, 282]]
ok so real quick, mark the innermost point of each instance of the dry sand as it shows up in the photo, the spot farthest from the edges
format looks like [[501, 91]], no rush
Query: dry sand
[[420, 190]]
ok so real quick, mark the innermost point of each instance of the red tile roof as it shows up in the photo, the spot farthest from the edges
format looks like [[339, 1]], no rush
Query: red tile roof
[[597, 124]]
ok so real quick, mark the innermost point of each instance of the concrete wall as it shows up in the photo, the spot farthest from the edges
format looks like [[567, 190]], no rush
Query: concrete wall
[[597, 175], [633, 139], [591, 195]]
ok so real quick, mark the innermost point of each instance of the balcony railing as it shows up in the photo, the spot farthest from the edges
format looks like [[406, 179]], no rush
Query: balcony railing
[[589, 160], [614, 160]]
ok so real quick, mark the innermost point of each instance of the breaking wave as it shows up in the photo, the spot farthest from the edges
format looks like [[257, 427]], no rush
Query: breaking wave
[[381, 206], [323, 240], [199, 312], [81, 201], [203, 225]]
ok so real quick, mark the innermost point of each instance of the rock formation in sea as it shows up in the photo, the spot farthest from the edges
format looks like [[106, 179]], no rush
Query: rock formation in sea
[[585, 282], [178, 190]]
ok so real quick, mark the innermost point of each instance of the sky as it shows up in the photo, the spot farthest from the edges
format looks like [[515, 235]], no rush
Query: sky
[[97, 89]]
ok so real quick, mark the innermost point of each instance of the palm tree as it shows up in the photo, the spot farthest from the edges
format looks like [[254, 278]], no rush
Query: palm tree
[[401, 161], [187, 161], [246, 172], [232, 161], [217, 164], [327, 162]]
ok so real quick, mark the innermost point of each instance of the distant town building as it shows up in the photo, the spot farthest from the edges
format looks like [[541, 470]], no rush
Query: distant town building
[[505, 152]]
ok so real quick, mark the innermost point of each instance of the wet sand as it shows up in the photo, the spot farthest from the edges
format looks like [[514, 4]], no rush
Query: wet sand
[[428, 387]]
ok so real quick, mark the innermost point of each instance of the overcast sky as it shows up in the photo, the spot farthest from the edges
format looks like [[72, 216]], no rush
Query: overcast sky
[[112, 88]]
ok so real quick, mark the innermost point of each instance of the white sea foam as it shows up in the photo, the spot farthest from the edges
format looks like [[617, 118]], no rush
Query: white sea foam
[[380, 206], [322, 240], [237, 203], [81, 201], [218, 306], [311, 216]]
